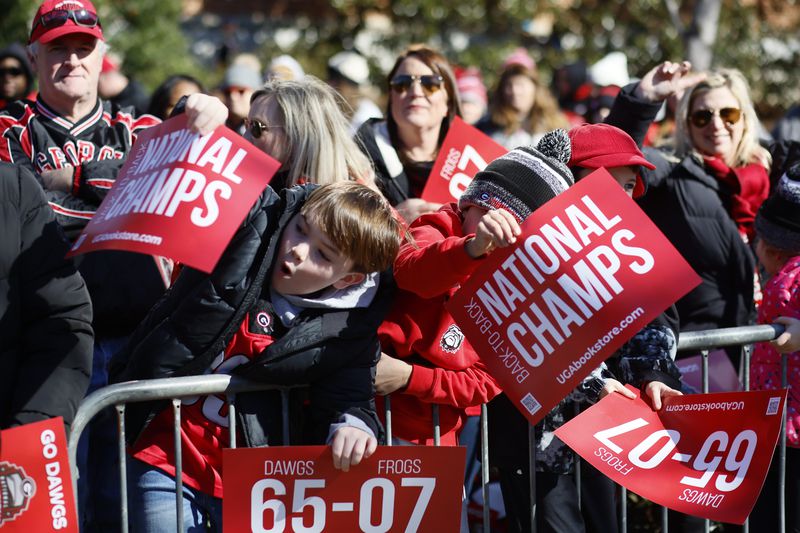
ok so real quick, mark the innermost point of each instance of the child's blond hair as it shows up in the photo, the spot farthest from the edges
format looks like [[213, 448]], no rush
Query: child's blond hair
[[359, 222]]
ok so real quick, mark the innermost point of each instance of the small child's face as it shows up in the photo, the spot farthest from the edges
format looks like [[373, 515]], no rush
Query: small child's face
[[307, 261], [625, 176], [769, 257]]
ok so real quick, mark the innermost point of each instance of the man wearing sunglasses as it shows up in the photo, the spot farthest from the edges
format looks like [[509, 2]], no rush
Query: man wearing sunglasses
[[75, 144], [16, 76]]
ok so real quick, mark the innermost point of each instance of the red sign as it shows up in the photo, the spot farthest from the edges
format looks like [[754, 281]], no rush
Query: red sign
[[703, 454], [296, 488], [465, 151], [589, 270], [35, 480], [180, 195]]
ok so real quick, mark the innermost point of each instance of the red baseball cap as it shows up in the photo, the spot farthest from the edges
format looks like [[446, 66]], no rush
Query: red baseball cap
[[604, 145], [56, 18]]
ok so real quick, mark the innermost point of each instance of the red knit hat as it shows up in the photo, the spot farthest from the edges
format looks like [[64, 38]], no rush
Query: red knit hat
[[603, 145], [80, 17]]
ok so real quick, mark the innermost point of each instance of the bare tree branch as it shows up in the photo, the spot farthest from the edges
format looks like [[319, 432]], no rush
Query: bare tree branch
[[674, 15]]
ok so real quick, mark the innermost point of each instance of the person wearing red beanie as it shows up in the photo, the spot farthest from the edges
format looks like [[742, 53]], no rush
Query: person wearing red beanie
[[604, 145]]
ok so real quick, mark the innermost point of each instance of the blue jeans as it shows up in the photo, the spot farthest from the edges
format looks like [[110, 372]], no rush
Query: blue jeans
[[469, 437], [98, 485], [151, 497]]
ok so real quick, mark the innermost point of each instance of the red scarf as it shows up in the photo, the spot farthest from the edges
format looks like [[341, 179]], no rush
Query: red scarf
[[748, 187]]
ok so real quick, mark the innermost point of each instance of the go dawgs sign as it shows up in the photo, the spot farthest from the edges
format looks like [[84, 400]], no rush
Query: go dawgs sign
[[180, 195], [35, 482]]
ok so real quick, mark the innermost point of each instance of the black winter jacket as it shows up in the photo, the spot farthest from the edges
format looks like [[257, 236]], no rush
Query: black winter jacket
[[45, 313], [123, 285], [686, 204], [391, 175], [333, 351]]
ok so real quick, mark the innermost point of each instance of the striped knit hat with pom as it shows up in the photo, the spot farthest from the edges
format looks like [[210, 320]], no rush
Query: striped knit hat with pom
[[523, 179]]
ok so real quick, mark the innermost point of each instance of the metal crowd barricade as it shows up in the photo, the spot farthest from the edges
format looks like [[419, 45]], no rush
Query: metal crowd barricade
[[160, 389], [702, 341], [176, 388]]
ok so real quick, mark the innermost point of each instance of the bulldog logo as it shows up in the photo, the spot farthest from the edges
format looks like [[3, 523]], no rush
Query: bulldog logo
[[16, 491], [452, 339]]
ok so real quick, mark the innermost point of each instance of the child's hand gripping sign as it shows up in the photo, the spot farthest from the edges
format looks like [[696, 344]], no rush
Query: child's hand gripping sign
[[702, 454], [589, 270], [180, 195]]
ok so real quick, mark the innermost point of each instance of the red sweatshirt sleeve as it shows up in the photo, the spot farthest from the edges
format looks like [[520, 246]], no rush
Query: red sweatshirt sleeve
[[437, 258], [459, 388]]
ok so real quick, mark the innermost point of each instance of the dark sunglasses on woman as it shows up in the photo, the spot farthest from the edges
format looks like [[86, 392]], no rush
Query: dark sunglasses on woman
[[258, 128], [703, 117], [11, 71], [430, 83], [59, 17]]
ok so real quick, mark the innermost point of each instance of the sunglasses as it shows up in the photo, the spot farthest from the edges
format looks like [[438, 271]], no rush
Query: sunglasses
[[59, 17], [11, 72], [702, 117], [258, 128], [430, 83]]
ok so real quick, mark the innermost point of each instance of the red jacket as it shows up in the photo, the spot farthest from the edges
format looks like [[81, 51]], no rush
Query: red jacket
[[419, 330]]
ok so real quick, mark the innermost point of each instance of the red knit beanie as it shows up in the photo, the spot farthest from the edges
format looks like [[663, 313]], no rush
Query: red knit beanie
[[603, 145]]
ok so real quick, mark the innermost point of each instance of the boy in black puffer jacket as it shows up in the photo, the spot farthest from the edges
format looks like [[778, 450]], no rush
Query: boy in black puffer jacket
[[296, 299]]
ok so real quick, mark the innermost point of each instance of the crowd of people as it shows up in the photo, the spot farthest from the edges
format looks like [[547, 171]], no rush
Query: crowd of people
[[338, 277]]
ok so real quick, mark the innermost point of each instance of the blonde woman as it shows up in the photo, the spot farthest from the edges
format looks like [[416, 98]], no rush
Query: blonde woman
[[704, 195], [300, 123], [733, 134]]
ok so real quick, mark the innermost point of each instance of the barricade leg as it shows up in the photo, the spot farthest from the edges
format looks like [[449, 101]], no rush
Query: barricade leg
[[388, 405], [782, 452], [532, 474], [123, 471], [485, 468]]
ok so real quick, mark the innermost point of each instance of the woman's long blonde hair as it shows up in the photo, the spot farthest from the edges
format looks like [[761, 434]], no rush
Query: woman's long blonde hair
[[320, 147], [748, 151]]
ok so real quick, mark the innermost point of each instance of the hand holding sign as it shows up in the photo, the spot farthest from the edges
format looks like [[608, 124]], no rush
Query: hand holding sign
[[295, 488], [588, 272], [496, 229], [691, 456], [177, 190]]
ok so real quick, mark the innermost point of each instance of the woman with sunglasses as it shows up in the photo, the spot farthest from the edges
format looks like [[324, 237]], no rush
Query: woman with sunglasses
[[705, 191], [522, 109], [423, 101], [702, 194], [300, 123]]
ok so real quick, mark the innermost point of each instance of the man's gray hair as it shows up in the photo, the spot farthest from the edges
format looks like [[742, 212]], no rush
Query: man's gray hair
[[33, 48]]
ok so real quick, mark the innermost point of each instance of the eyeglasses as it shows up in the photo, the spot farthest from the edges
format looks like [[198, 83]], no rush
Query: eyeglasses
[[258, 128], [11, 71], [430, 83], [702, 117], [59, 17]]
